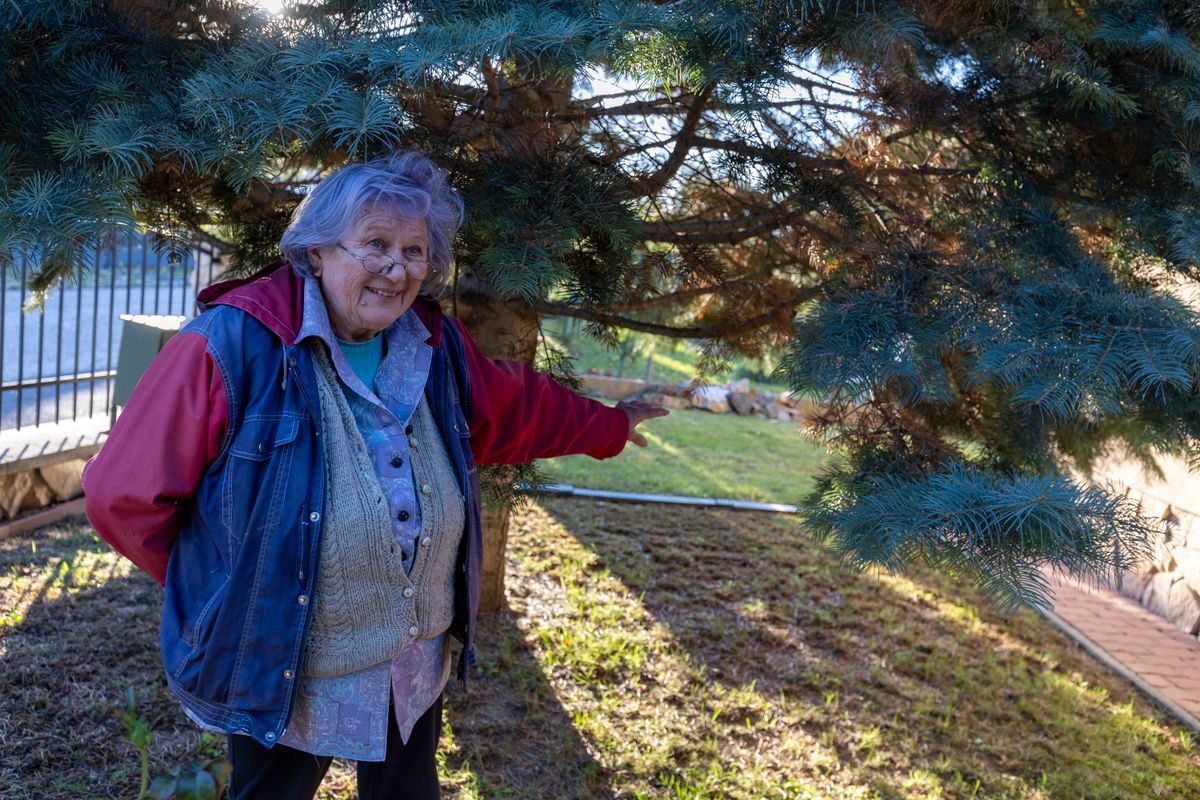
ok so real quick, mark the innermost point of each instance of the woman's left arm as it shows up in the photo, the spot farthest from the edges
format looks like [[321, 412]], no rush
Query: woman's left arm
[[519, 414], [138, 486]]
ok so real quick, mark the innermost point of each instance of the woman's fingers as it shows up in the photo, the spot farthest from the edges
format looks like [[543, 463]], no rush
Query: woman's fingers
[[637, 413]]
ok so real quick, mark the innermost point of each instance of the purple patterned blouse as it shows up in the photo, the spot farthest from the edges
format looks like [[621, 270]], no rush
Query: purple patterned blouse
[[346, 716]]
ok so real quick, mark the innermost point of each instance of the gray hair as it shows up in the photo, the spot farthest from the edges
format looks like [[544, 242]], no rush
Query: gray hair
[[407, 183]]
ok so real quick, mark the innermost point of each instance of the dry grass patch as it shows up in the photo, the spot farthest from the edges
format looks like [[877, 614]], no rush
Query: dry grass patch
[[705, 654], [649, 652]]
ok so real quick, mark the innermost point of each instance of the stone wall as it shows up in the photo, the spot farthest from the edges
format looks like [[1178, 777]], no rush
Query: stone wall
[[612, 387], [736, 397], [1169, 582], [36, 488]]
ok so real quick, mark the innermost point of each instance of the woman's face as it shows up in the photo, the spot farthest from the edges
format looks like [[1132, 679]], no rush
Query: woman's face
[[360, 304]]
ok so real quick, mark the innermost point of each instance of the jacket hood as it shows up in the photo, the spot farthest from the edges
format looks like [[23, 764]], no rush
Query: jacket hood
[[275, 297]]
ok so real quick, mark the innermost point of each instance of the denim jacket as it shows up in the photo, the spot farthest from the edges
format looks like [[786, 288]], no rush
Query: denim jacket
[[212, 481]]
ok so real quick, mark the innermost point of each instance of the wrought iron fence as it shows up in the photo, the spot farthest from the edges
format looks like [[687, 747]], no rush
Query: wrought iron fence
[[58, 358]]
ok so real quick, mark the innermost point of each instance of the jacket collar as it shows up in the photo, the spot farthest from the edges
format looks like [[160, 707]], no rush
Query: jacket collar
[[275, 297]]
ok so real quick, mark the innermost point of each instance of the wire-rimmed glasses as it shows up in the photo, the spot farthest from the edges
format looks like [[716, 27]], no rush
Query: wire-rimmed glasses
[[383, 264]]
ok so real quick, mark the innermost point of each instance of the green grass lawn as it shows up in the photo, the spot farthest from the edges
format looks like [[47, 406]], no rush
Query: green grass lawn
[[706, 455], [647, 652]]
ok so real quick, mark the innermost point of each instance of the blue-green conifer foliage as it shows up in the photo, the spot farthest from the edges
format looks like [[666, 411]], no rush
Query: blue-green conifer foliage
[[966, 226]]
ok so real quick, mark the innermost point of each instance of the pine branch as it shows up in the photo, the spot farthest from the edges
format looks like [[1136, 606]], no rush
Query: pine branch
[[999, 529], [760, 223], [672, 298], [727, 329], [651, 184]]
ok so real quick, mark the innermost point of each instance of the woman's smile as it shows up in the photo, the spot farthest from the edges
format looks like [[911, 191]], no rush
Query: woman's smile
[[382, 292], [361, 303]]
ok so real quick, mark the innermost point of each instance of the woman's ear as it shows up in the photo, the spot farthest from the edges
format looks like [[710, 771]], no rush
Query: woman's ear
[[314, 261]]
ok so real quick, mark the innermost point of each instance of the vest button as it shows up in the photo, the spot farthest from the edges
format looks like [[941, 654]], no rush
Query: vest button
[[426, 488], [425, 542], [302, 599], [414, 630], [402, 516], [314, 517], [397, 462], [270, 737], [408, 591], [288, 674]]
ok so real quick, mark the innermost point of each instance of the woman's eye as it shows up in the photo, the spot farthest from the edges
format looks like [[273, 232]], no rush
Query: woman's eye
[[376, 243], [415, 250]]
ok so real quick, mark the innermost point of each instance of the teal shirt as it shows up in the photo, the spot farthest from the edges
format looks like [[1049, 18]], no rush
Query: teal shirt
[[364, 358]]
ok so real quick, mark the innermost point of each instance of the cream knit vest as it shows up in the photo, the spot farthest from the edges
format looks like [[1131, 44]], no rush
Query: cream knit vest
[[366, 609]]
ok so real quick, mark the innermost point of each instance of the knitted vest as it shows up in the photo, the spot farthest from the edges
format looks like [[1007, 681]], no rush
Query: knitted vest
[[366, 609]]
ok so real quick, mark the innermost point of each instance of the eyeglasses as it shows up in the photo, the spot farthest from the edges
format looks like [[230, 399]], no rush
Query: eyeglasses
[[383, 264]]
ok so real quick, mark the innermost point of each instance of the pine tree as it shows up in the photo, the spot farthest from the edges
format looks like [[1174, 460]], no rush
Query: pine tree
[[960, 221]]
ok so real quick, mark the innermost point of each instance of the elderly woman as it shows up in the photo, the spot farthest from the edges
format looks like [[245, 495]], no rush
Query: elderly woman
[[297, 468]]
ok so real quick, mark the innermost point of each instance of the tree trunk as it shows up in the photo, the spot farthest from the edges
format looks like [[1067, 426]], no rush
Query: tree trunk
[[495, 544], [516, 127], [502, 330]]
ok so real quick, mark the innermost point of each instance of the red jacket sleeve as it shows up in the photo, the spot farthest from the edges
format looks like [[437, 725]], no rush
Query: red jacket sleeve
[[173, 427], [519, 414]]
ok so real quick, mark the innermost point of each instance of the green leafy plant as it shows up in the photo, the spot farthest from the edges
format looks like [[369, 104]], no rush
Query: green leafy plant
[[137, 731], [204, 779]]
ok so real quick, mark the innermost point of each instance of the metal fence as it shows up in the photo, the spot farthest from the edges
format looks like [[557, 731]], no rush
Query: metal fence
[[58, 359]]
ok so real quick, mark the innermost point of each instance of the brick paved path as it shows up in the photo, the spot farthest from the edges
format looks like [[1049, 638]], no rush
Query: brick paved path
[[1158, 654]]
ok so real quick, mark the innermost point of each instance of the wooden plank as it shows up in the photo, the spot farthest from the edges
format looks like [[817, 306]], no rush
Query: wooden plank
[[39, 519]]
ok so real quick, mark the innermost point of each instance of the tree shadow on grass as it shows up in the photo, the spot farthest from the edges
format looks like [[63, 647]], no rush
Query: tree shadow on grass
[[511, 736], [78, 625], [900, 678]]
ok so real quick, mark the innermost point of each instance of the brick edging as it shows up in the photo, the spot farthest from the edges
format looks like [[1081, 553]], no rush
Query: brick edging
[[1107, 659]]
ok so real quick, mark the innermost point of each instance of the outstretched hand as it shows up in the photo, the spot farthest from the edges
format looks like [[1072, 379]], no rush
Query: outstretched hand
[[638, 412]]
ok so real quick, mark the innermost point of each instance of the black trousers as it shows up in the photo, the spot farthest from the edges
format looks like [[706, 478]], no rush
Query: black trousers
[[408, 772]]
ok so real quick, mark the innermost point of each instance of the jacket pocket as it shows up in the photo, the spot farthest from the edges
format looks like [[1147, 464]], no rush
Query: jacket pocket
[[259, 436], [196, 628]]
